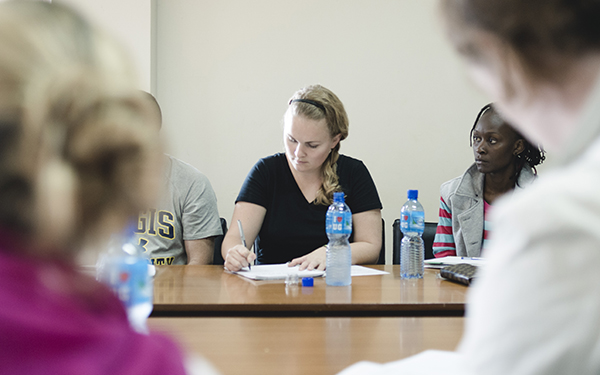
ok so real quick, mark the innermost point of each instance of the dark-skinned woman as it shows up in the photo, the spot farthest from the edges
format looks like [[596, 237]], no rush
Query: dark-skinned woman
[[504, 161]]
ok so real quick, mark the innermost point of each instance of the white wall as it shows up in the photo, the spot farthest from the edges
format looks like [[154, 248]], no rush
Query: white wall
[[225, 70], [130, 21]]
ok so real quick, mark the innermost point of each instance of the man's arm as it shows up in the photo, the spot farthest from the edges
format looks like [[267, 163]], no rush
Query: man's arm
[[200, 251]]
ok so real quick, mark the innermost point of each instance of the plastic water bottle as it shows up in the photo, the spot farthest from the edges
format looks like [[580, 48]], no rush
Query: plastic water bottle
[[125, 268], [338, 225], [412, 224]]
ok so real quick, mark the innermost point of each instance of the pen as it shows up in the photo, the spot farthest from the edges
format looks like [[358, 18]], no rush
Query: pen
[[243, 238], [471, 258]]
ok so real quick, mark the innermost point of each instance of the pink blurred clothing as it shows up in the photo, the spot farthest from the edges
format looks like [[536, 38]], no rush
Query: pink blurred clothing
[[55, 320]]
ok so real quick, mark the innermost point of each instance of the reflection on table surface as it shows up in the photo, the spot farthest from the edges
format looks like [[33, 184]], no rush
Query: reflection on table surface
[[307, 345], [210, 291]]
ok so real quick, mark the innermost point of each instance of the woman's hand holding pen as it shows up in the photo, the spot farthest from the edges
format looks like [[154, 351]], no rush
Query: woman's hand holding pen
[[238, 257], [234, 249], [316, 260]]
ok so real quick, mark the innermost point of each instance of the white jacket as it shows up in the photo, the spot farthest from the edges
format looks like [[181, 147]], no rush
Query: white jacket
[[464, 197], [535, 308]]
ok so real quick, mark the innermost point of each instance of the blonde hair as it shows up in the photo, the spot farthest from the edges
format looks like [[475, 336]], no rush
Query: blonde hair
[[74, 147], [316, 102]]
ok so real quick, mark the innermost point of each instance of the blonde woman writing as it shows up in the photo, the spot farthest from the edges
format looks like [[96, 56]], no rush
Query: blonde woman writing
[[285, 196]]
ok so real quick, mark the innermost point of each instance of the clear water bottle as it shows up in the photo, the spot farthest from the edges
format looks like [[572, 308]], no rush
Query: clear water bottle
[[412, 225], [126, 269], [338, 225]]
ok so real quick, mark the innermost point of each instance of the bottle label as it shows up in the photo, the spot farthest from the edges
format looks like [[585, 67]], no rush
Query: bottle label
[[339, 223], [130, 281], [412, 221]]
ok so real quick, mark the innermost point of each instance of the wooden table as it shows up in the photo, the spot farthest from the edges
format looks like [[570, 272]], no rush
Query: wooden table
[[209, 291], [307, 345]]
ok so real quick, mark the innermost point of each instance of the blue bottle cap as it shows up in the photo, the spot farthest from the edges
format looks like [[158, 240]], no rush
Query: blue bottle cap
[[338, 196], [307, 281], [413, 194]]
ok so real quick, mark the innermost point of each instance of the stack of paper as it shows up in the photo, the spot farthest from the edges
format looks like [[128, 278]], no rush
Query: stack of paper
[[448, 261]]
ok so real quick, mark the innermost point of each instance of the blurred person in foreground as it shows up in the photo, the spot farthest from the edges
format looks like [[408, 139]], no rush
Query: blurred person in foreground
[[76, 163], [534, 308]]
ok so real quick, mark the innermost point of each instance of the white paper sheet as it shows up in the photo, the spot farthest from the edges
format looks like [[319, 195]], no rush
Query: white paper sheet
[[366, 271], [448, 261], [280, 272], [275, 272]]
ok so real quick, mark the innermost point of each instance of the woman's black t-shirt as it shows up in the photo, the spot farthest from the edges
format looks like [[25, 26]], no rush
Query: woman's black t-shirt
[[294, 227]]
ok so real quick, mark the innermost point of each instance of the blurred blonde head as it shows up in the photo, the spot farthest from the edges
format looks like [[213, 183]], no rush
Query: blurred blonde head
[[316, 102], [75, 151]]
